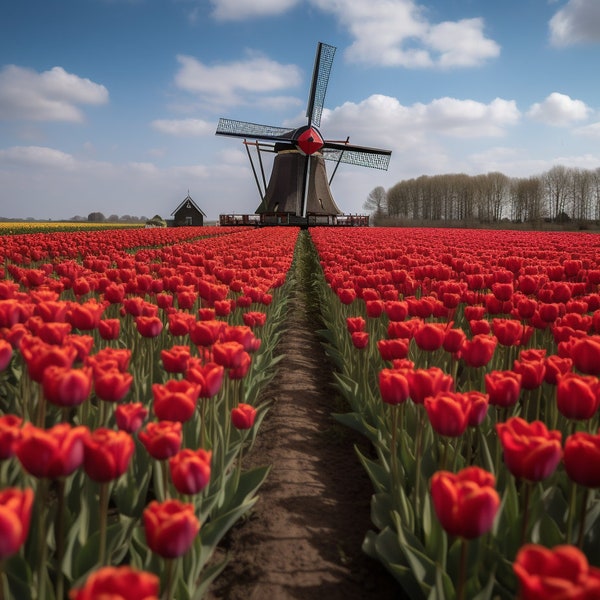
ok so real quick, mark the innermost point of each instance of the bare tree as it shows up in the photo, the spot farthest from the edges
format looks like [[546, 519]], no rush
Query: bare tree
[[376, 202]]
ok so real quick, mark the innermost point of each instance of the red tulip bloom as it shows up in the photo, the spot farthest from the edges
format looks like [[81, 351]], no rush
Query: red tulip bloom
[[243, 416], [374, 308], [428, 382], [466, 502], [112, 385], [532, 373], [396, 310], [453, 339], [130, 417], [65, 386], [15, 518], [162, 440], [254, 318], [360, 339], [109, 329], [116, 357], [241, 334], [531, 451], [560, 573], [180, 323], [430, 336], [10, 433], [586, 355], [556, 366], [228, 354], [222, 308], [53, 333], [107, 454], [509, 332], [354, 324], [170, 527], [190, 470], [148, 327], [503, 388], [478, 351], [114, 293], [578, 396], [208, 375], [6, 352], [39, 356], [51, 453], [448, 413], [175, 359], [118, 583], [206, 333], [175, 400], [480, 327], [582, 458], [346, 295], [393, 386], [85, 316], [393, 349]]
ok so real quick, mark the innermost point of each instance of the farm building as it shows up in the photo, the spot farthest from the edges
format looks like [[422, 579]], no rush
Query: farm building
[[188, 213]]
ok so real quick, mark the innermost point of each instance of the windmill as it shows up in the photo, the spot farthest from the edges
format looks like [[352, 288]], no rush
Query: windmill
[[298, 186]]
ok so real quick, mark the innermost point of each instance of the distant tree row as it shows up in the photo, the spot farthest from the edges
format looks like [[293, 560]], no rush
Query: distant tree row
[[98, 217], [560, 194]]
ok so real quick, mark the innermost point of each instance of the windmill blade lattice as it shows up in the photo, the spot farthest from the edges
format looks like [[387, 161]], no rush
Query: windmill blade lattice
[[320, 79], [253, 130], [356, 155]]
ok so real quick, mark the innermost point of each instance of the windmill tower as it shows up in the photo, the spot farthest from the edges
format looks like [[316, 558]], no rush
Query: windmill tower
[[298, 185]]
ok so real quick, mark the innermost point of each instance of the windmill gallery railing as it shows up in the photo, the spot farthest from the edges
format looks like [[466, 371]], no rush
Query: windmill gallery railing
[[311, 220]]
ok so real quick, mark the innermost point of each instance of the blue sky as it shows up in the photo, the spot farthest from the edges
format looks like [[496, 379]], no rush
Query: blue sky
[[111, 105]]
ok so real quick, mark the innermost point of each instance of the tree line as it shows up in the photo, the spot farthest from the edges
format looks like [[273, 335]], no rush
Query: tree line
[[561, 194]]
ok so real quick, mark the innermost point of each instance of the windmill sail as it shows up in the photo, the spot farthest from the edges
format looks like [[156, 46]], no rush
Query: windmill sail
[[320, 79]]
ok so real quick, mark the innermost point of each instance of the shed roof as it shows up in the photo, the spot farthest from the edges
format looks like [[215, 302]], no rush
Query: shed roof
[[188, 198]]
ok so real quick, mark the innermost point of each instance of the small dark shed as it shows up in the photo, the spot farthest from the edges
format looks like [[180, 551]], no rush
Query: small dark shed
[[188, 213]]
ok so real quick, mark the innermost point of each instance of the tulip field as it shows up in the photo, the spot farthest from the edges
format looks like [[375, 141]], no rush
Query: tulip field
[[132, 369]]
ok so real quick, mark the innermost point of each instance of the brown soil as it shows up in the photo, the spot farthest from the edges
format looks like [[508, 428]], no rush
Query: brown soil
[[303, 538]]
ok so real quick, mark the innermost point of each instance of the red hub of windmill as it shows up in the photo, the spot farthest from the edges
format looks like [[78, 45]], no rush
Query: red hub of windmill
[[309, 140]]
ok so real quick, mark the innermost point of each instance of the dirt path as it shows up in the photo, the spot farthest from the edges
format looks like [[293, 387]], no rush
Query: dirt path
[[303, 538]]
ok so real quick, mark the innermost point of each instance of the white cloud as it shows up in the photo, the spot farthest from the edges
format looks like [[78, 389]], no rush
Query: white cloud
[[238, 10], [578, 21], [558, 109], [53, 95], [184, 127], [230, 83], [385, 119], [591, 131], [397, 33], [36, 156]]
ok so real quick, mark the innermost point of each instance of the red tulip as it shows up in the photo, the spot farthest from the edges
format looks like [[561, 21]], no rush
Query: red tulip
[[466, 502], [555, 367], [346, 295], [38, 355], [190, 470], [532, 372], [448, 413], [130, 417], [148, 327], [206, 333], [396, 310], [228, 354], [430, 336], [360, 339], [453, 340], [175, 400], [15, 517], [560, 573], [254, 318], [118, 583], [175, 359], [586, 355], [112, 385], [107, 454], [180, 323], [577, 396], [354, 324], [54, 333], [85, 316], [65, 386], [478, 351], [10, 433], [582, 458], [51, 453], [428, 382], [393, 349], [478, 406], [531, 451], [503, 388], [243, 416], [509, 332], [208, 375], [162, 440], [170, 527], [109, 329], [393, 386]]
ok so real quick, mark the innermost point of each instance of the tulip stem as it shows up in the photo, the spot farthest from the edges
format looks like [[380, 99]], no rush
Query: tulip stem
[[103, 506], [571, 517], [583, 515], [59, 535], [527, 491], [462, 573], [169, 579], [3, 582], [43, 546]]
